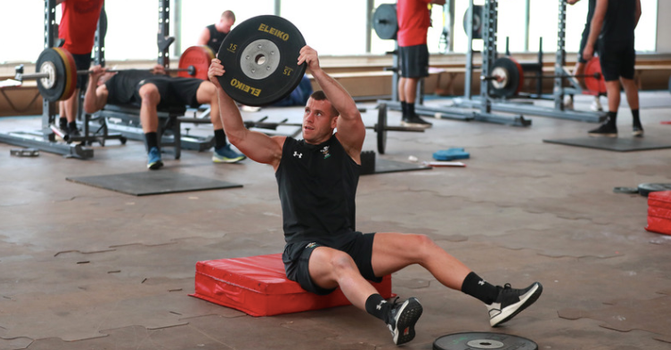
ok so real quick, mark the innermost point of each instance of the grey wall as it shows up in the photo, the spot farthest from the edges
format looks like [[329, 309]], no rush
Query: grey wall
[[663, 26]]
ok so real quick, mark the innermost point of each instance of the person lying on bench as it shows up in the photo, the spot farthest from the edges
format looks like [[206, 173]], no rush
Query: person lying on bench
[[152, 91], [317, 179]]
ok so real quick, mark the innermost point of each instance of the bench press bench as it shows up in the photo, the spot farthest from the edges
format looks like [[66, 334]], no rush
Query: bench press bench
[[129, 126]]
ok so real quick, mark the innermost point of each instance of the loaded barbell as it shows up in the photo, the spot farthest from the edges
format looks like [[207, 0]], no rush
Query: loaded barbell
[[507, 77], [56, 71], [380, 127]]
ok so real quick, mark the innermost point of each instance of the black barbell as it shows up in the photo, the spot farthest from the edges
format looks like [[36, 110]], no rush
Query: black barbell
[[380, 127], [507, 76]]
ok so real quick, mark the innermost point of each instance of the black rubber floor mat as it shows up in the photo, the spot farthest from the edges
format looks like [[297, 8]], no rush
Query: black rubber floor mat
[[617, 144], [152, 182]]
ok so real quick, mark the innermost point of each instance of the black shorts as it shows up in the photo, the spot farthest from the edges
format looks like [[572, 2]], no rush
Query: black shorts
[[174, 91], [297, 255], [83, 62], [617, 59], [414, 61]]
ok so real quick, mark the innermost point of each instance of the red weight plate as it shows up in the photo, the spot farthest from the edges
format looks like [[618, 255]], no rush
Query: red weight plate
[[199, 57], [520, 71], [596, 85]]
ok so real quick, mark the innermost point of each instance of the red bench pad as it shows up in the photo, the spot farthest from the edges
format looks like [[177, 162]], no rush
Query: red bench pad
[[659, 212], [258, 286]]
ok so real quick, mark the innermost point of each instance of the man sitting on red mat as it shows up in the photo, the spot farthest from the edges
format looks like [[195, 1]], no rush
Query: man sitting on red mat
[[317, 179]]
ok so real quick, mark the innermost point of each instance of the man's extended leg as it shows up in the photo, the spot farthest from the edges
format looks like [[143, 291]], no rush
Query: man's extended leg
[[222, 150], [393, 251], [149, 119]]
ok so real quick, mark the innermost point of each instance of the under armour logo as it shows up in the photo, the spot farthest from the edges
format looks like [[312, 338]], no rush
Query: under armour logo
[[379, 306], [482, 282], [299, 155]]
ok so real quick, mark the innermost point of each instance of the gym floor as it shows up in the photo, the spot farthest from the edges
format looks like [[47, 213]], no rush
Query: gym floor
[[88, 268]]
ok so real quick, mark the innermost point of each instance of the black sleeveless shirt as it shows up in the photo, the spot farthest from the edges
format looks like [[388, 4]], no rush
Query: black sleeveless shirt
[[121, 86], [620, 21], [216, 38], [317, 187]]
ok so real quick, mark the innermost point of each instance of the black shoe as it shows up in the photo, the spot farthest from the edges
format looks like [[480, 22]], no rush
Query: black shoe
[[402, 320], [511, 302], [637, 130], [607, 129], [415, 121], [73, 132]]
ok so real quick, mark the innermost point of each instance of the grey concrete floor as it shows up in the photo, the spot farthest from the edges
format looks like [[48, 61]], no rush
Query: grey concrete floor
[[88, 268]]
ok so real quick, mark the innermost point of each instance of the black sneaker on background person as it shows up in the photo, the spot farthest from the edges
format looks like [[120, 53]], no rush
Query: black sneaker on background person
[[511, 302], [637, 129], [608, 129], [415, 121], [402, 318]]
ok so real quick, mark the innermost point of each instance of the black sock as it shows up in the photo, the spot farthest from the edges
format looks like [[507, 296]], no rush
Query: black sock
[[219, 138], [152, 140], [404, 109], [480, 289], [637, 117], [612, 118], [72, 126], [63, 123], [411, 109], [378, 307]]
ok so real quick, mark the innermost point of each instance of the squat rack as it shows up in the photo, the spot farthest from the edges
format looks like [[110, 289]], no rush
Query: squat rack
[[501, 104], [483, 108], [45, 139]]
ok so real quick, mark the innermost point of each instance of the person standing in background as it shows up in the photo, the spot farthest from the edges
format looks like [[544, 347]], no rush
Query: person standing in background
[[414, 20], [613, 30], [77, 30], [214, 34]]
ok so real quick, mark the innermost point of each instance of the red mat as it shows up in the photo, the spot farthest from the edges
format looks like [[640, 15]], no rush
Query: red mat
[[659, 212], [258, 286]]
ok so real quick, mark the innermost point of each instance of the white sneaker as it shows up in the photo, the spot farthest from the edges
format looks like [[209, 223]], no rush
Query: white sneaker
[[568, 102], [596, 105]]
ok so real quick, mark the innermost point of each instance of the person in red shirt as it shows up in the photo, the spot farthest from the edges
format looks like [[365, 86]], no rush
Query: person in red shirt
[[77, 29], [414, 20]]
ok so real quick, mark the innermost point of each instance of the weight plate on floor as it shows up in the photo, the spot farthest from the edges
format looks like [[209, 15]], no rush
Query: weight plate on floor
[[646, 188], [385, 22], [593, 84], [199, 57], [52, 87], [381, 128], [260, 57], [483, 340], [512, 77]]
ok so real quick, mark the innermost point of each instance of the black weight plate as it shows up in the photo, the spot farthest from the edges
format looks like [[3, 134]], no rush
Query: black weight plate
[[385, 21], [102, 23], [483, 340], [477, 22], [51, 61], [381, 128], [646, 188], [514, 76], [260, 56], [628, 190]]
